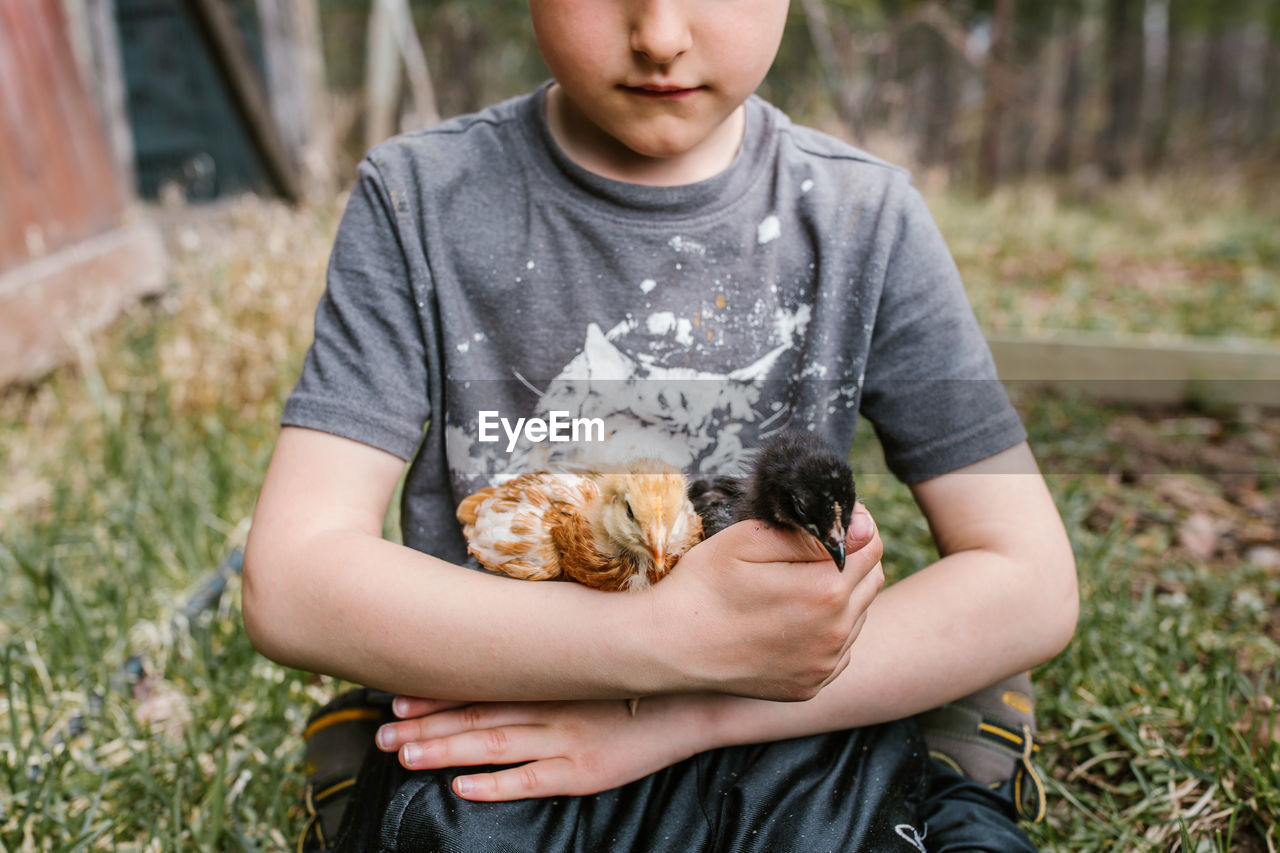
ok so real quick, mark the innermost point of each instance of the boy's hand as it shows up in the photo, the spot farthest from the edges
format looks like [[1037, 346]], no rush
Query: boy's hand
[[762, 612], [574, 748]]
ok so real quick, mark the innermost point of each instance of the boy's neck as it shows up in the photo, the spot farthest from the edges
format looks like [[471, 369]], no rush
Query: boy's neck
[[596, 151]]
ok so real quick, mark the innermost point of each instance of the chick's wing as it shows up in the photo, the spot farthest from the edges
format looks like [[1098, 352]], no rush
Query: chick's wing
[[508, 527]]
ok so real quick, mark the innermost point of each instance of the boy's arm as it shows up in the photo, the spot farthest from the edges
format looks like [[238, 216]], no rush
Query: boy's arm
[[324, 592], [1000, 600]]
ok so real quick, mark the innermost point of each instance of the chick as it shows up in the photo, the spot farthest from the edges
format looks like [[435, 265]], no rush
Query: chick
[[616, 530], [613, 530], [796, 482]]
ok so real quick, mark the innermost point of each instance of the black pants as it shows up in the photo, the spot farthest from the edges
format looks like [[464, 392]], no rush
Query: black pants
[[869, 789]]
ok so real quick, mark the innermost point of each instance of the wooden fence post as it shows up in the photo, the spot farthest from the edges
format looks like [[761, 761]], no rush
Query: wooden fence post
[[297, 90]]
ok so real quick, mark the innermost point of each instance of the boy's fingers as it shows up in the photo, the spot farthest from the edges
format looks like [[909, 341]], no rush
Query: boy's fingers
[[863, 593], [406, 707], [500, 745], [862, 556], [757, 542], [545, 778], [840, 667], [452, 719], [862, 528]]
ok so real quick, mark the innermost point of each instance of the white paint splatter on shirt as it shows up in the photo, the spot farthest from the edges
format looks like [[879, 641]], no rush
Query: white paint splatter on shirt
[[665, 322], [768, 230], [684, 244], [647, 285], [786, 324]]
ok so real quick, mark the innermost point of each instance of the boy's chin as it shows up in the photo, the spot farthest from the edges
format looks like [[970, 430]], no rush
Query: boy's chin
[[659, 150], [667, 144]]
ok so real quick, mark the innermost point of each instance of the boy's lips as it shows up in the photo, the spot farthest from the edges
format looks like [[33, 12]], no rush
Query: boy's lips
[[656, 90]]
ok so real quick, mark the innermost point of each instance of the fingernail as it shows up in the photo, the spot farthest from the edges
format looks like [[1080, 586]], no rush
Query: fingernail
[[463, 784], [386, 737], [400, 706], [411, 753]]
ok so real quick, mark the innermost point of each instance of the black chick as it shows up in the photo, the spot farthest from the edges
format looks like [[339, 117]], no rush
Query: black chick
[[796, 481]]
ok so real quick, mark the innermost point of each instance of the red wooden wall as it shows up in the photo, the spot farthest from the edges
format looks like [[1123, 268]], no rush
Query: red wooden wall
[[57, 181]]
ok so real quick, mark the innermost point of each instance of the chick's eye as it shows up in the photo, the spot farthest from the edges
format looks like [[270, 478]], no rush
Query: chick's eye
[[799, 508], [630, 512]]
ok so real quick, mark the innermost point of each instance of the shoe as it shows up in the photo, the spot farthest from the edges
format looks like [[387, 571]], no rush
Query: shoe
[[989, 736], [338, 737]]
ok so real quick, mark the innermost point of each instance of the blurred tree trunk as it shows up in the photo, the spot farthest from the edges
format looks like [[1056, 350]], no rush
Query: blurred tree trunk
[[993, 107], [381, 77], [297, 93], [834, 73], [1269, 114], [884, 93], [945, 70], [1125, 72], [941, 91], [1061, 150], [1219, 95], [1170, 93], [392, 40], [1031, 75]]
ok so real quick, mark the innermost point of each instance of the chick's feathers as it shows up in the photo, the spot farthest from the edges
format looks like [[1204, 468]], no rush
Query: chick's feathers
[[796, 481], [508, 527], [611, 530]]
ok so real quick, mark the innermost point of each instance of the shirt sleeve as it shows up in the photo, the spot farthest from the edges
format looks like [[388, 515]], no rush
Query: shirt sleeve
[[365, 376], [930, 387]]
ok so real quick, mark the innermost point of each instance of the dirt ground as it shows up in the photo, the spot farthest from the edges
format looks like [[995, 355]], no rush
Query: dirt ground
[[1206, 484]]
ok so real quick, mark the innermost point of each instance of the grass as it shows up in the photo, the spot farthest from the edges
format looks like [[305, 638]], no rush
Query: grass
[[1163, 258], [127, 476]]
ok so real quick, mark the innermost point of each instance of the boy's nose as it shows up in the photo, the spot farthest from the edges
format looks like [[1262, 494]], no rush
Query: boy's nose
[[660, 30]]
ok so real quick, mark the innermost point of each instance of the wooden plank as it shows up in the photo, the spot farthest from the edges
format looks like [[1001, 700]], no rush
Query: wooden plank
[[91, 168], [53, 146], [109, 90], [19, 198], [249, 93], [58, 181], [1232, 372], [46, 303]]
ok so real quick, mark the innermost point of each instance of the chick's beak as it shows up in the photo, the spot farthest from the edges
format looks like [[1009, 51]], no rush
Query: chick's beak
[[834, 540], [834, 543], [658, 544]]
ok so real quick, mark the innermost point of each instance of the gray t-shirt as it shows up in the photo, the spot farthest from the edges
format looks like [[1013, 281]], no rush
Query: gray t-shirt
[[480, 276]]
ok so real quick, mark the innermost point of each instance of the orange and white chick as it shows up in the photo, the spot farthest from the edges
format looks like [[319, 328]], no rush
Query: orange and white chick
[[615, 530], [622, 529]]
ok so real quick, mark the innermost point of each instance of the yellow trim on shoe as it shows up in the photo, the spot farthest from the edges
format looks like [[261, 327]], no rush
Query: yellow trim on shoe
[[1036, 812], [335, 788], [947, 760], [342, 716], [1001, 732]]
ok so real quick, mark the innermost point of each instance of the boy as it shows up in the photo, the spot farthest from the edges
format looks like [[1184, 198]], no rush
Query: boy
[[644, 222]]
